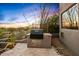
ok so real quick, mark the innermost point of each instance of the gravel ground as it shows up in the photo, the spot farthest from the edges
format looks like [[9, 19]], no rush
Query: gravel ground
[[62, 49]]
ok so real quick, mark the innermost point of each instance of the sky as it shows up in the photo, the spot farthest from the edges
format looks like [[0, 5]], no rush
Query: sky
[[23, 12]]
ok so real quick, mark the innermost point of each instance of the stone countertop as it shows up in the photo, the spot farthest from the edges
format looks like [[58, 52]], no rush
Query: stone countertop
[[44, 34]]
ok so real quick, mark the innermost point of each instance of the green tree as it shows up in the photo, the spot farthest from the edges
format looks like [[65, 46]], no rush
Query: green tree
[[53, 25]]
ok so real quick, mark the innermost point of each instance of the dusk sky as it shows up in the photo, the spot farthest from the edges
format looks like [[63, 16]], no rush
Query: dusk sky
[[13, 12]]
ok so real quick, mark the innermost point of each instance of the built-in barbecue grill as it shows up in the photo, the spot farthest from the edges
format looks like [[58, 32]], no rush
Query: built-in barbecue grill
[[36, 34]]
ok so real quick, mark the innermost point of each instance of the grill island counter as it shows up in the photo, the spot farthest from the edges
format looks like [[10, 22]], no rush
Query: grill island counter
[[38, 39]]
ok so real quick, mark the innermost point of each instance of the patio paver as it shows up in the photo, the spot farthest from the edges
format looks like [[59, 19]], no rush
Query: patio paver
[[21, 50]]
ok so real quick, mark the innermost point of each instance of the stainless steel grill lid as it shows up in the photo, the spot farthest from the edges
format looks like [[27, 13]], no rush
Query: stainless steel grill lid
[[36, 34]]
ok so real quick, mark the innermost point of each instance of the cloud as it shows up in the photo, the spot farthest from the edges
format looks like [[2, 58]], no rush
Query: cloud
[[31, 12], [13, 19]]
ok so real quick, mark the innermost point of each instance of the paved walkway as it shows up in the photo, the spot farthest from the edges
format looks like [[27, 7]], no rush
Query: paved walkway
[[21, 50]]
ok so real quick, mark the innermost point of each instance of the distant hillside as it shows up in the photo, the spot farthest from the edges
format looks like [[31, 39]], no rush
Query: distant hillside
[[13, 25]]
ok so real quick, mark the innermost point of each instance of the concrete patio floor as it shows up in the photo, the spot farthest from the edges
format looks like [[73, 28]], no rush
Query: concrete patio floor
[[21, 50], [58, 49]]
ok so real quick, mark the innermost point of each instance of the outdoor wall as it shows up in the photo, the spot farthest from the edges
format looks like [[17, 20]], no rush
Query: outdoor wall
[[69, 37]]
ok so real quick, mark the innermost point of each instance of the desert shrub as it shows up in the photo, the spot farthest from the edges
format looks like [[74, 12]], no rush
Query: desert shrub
[[2, 32], [11, 40]]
